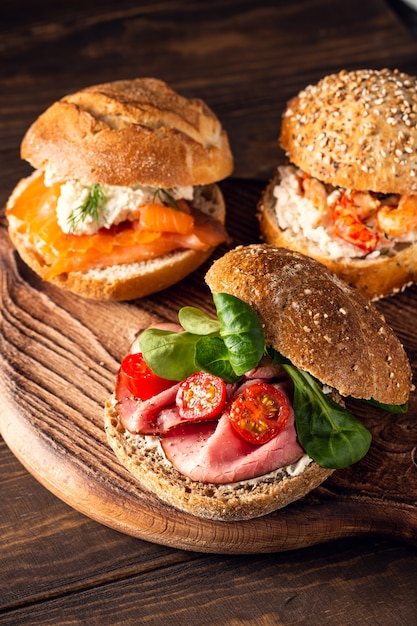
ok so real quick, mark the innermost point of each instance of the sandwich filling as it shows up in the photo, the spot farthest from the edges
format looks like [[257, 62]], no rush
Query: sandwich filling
[[225, 406], [344, 223], [82, 209], [78, 227], [196, 429]]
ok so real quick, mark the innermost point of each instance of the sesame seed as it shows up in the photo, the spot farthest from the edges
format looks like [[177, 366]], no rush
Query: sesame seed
[[374, 99]]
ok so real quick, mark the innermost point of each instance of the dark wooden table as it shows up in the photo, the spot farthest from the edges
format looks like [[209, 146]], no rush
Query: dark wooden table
[[245, 58]]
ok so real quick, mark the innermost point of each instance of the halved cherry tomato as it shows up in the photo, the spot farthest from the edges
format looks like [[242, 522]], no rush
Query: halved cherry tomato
[[140, 380], [259, 412], [201, 396]]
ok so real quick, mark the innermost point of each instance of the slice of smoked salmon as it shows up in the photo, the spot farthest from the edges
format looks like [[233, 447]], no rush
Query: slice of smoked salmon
[[165, 219], [32, 213]]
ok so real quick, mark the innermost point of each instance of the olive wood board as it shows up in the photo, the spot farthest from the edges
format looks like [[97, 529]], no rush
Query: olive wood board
[[59, 356]]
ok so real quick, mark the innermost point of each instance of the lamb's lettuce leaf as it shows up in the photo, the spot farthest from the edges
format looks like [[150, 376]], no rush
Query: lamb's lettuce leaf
[[227, 346]]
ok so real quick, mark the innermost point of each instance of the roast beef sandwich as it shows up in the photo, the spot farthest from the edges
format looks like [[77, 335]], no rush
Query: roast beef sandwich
[[348, 193], [124, 199], [234, 416]]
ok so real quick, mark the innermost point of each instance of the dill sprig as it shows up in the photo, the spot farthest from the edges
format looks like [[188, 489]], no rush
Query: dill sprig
[[165, 198], [91, 207]]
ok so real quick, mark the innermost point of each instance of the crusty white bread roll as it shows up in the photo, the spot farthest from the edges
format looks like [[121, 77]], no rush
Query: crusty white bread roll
[[324, 327], [129, 131], [124, 135], [355, 134]]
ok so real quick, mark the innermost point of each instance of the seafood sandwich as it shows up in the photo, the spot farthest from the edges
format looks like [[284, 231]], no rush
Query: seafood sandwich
[[123, 201], [348, 196]]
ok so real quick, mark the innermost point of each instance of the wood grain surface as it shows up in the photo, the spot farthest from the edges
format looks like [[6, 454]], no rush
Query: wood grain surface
[[59, 356], [57, 565]]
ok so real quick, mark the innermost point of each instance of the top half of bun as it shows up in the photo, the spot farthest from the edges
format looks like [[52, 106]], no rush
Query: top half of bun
[[317, 321], [356, 130], [129, 132]]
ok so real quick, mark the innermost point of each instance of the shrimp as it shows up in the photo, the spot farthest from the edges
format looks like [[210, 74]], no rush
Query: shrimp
[[399, 220], [350, 228], [365, 204], [316, 192]]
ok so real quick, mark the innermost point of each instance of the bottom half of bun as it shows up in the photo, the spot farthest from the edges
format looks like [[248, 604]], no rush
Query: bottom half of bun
[[127, 281], [375, 277], [243, 500]]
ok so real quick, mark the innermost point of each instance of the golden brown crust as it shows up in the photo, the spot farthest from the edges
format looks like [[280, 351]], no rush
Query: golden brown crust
[[356, 130], [122, 282], [127, 132], [229, 502], [317, 321], [375, 278]]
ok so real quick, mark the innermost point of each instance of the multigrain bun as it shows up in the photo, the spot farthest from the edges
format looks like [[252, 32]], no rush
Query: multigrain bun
[[374, 277], [125, 134], [320, 324], [317, 321], [355, 134], [356, 130], [242, 500]]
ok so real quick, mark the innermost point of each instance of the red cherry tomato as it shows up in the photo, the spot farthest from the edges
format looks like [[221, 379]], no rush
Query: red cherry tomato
[[139, 379], [201, 396], [259, 412]]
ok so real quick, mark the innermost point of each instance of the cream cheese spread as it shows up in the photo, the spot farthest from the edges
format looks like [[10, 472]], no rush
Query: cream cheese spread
[[118, 204]]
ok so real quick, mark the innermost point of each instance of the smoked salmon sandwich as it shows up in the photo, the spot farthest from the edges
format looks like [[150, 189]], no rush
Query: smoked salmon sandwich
[[348, 193], [124, 199], [237, 414]]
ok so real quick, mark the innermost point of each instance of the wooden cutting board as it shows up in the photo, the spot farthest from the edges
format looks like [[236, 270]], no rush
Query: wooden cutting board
[[59, 355]]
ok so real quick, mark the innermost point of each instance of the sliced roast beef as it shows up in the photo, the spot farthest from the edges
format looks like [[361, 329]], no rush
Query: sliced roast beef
[[215, 453], [266, 370], [211, 450], [147, 417]]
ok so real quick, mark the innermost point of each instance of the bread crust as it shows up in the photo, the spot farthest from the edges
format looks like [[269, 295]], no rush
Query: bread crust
[[321, 324], [230, 502], [375, 277], [127, 132], [356, 130], [122, 282]]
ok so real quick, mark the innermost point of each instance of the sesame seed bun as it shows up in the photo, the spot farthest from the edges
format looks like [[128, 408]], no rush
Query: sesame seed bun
[[356, 130]]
